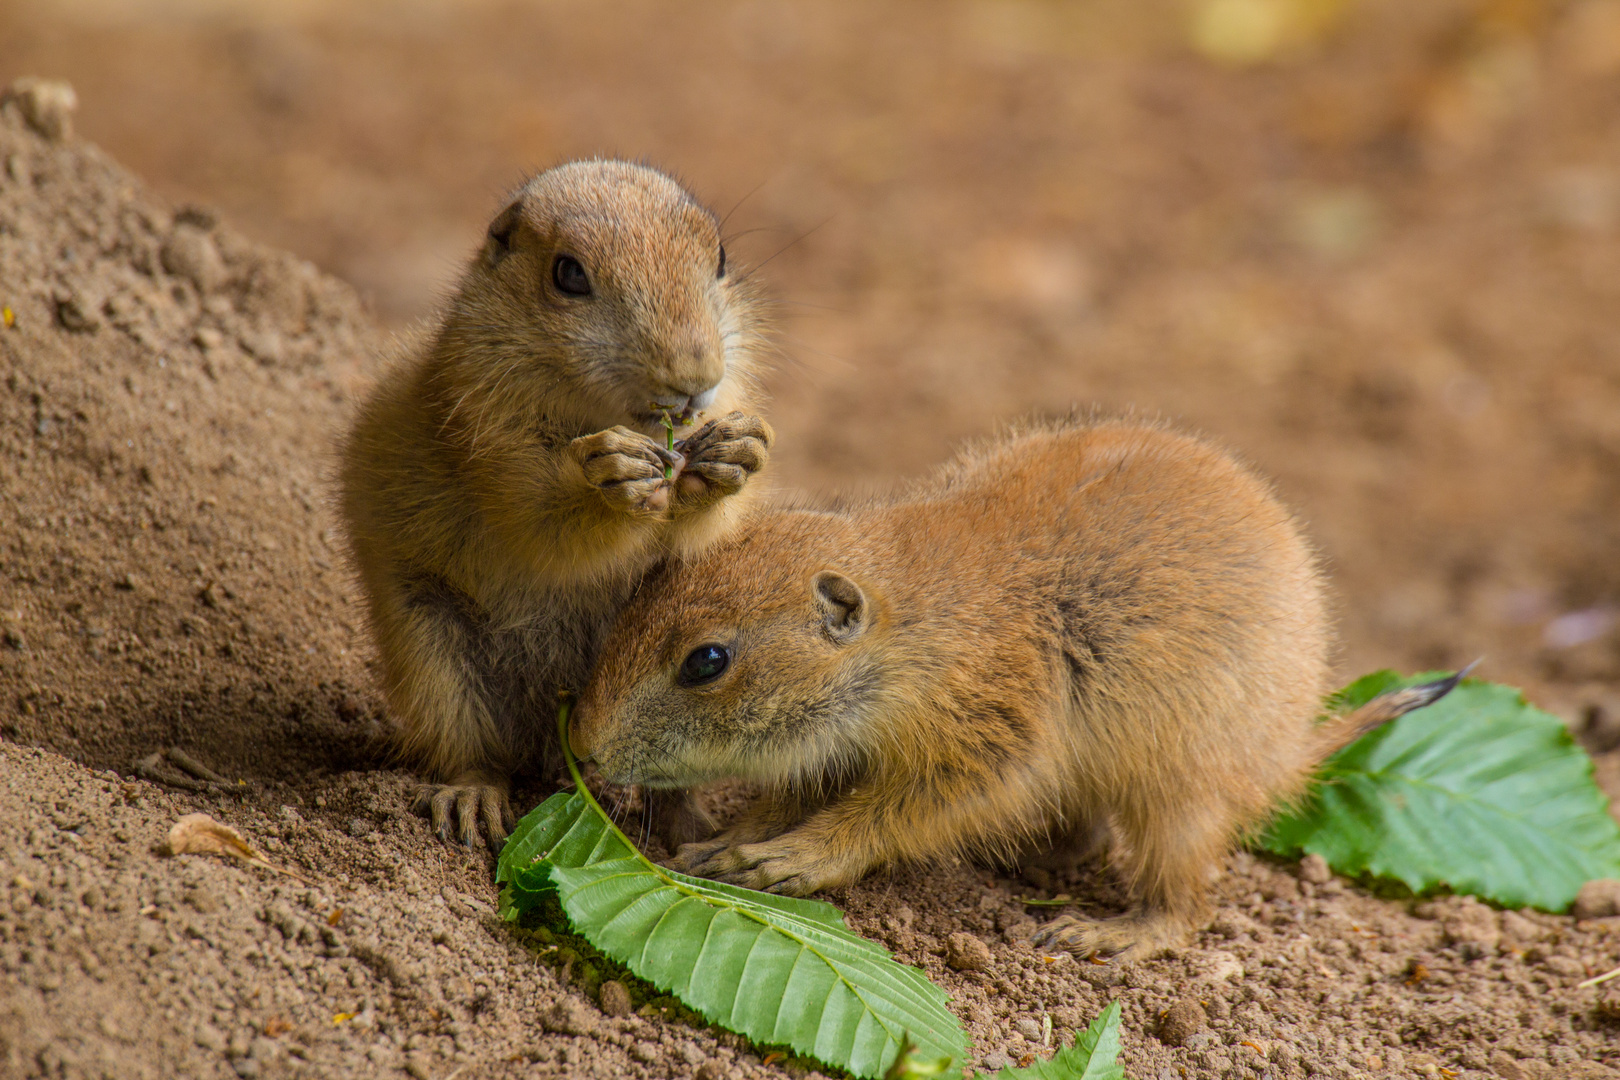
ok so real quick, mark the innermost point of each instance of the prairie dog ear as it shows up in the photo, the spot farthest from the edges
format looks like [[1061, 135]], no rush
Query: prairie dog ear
[[499, 244], [842, 605]]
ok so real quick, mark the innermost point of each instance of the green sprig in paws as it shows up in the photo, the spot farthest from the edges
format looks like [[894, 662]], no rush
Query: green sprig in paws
[[669, 443]]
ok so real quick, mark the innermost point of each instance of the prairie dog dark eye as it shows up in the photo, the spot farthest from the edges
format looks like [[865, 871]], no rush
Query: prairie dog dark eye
[[569, 276], [720, 273], [704, 664]]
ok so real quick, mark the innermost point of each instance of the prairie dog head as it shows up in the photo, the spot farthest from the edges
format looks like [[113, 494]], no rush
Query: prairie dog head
[[760, 660], [603, 296]]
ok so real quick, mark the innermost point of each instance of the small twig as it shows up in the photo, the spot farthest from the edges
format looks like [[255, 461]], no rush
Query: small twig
[[1603, 978], [202, 780], [196, 768]]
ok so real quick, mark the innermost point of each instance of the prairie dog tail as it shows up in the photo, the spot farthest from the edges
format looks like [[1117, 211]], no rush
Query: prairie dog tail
[[1341, 731]]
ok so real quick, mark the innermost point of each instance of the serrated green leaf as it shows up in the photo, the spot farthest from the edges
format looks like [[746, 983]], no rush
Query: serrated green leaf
[[1094, 1055], [1479, 792], [777, 969]]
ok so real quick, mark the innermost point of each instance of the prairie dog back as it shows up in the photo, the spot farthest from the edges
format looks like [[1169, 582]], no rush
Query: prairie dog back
[[1098, 631]]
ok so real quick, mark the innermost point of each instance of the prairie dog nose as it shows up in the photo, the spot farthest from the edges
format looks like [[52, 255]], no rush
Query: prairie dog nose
[[580, 738], [671, 402], [684, 404]]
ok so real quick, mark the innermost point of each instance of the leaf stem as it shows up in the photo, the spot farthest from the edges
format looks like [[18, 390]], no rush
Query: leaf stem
[[564, 708]]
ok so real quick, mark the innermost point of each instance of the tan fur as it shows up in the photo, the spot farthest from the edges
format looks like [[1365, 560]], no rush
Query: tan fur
[[1102, 629], [504, 486]]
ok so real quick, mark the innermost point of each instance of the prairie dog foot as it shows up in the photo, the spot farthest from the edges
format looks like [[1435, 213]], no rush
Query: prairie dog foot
[[776, 866], [719, 457], [626, 468], [1136, 936], [460, 811]]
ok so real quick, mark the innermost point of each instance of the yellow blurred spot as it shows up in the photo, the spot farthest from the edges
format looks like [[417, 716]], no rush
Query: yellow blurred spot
[[341, 1018], [1334, 223], [8, 316], [1244, 32]]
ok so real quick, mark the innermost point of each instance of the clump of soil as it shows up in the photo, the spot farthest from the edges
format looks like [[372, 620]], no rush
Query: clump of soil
[[171, 392]]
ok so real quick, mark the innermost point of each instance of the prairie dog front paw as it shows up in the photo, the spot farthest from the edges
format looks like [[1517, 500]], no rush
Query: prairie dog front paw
[[626, 468], [473, 810], [720, 457], [782, 865], [1135, 936]]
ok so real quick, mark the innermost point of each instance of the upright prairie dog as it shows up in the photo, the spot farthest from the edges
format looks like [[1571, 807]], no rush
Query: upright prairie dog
[[507, 485], [1089, 631]]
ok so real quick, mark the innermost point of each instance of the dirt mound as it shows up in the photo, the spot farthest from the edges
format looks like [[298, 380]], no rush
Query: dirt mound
[[171, 392]]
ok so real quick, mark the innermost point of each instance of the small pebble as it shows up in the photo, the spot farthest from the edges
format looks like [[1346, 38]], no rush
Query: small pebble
[[190, 253], [78, 314], [568, 1016], [201, 900], [1181, 1022], [964, 952], [615, 999], [1029, 1029], [1597, 900], [47, 105], [1314, 869]]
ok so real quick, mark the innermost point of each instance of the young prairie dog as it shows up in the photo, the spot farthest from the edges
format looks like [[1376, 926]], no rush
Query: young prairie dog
[[1091, 631], [507, 484]]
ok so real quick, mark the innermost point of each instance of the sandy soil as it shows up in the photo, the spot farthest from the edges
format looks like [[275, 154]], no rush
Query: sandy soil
[[1385, 268]]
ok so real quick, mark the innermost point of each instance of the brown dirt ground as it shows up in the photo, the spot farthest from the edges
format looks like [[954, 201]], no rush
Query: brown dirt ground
[[1384, 265]]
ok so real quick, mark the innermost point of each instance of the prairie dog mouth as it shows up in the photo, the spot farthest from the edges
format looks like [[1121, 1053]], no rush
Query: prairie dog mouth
[[686, 417], [681, 410]]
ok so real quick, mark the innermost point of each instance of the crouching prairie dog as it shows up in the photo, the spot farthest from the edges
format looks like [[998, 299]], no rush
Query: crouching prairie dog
[[507, 484], [1086, 631]]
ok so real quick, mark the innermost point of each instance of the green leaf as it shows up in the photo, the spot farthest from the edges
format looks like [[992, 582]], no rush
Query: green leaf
[[1479, 792], [777, 969], [1094, 1055]]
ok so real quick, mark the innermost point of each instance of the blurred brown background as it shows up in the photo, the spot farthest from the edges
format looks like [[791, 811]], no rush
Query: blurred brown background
[[1372, 243]]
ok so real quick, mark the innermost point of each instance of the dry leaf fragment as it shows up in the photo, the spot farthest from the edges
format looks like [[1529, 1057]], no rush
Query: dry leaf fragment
[[199, 834]]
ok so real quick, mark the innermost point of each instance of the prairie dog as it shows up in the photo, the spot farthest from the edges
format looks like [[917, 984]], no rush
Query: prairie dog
[[1089, 630], [504, 488]]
